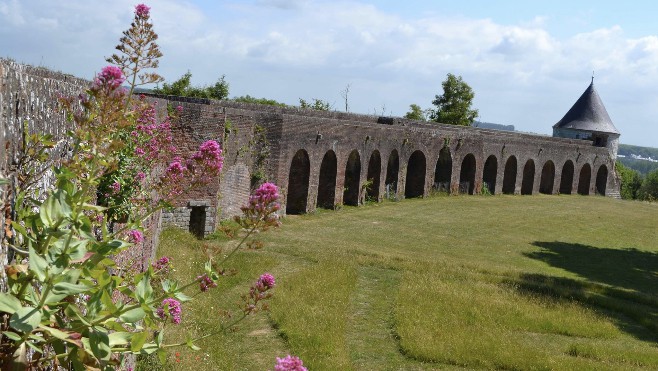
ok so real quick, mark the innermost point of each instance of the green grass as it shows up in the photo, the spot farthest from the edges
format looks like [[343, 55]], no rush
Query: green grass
[[508, 282]]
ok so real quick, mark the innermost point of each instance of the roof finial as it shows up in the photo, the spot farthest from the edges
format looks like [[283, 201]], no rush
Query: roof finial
[[592, 76]]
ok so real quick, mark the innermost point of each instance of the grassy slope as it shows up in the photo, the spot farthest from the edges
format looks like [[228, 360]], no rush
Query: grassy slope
[[545, 282]]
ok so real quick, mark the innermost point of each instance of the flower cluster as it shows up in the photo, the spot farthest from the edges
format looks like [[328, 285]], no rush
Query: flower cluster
[[289, 363], [110, 76], [206, 283], [257, 293], [162, 265], [142, 11], [170, 307], [135, 236], [261, 211], [206, 163]]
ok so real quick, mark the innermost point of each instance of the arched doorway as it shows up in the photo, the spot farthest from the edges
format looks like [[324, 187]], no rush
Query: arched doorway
[[566, 181], [352, 179], [300, 169], [528, 182], [443, 170], [584, 179], [490, 173], [327, 181], [509, 178], [601, 180], [392, 168], [467, 175], [415, 184], [374, 173], [547, 178]]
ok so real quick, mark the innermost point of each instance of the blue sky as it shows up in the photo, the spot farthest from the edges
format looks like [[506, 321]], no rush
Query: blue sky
[[527, 61]]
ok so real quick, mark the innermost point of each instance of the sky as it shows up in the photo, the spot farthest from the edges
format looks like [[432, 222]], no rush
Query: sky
[[527, 61]]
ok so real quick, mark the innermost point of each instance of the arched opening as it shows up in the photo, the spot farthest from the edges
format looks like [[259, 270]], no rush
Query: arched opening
[[300, 169], [374, 173], [352, 179], [566, 181], [327, 181], [509, 179], [584, 179], [489, 174], [443, 171], [601, 180], [392, 168], [415, 184], [528, 182], [547, 178], [198, 221], [467, 175]]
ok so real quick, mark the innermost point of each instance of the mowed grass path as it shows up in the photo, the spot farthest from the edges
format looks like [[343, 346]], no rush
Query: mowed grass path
[[509, 282]]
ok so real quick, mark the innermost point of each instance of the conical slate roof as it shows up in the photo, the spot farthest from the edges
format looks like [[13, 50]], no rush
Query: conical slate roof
[[588, 113]]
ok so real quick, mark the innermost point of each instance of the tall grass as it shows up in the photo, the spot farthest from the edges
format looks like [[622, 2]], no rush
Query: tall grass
[[508, 282]]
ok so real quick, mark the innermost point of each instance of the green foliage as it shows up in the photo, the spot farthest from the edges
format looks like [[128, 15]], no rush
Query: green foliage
[[649, 189], [643, 166], [183, 88], [416, 113], [253, 100], [631, 180], [315, 104], [454, 105], [646, 152]]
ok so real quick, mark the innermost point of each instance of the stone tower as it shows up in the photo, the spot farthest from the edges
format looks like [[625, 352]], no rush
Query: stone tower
[[588, 120]]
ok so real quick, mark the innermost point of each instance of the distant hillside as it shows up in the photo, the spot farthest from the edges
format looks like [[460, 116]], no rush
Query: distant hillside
[[491, 125], [642, 159]]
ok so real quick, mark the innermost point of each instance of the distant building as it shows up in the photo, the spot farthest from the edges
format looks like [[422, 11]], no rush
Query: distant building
[[588, 120]]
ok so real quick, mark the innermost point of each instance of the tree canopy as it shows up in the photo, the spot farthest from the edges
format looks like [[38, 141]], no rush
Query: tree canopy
[[183, 88], [415, 113], [454, 105]]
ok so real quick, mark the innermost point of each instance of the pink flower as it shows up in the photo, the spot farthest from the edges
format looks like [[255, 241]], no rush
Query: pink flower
[[140, 176], [135, 236], [172, 306], [266, 281], [179, 109], [116, 187], [162, 264], [290, 363], [205, 282], [110, 76], [142, 10]]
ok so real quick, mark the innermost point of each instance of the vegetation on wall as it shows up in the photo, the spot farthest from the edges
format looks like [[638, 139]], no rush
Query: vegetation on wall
[[454, 106], [183, 88]]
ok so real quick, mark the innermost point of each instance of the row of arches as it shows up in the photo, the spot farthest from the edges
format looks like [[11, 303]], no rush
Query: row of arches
[[414, 181]]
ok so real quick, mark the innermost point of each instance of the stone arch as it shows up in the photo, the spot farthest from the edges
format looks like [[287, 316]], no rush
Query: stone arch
[[584, 179], [528, 182], [327, 181], [374, 173], [443, 170], [490, 173], [547, 178], [509, 178], [416, 168], [300, 169], [566, 181], [352, 179], [392, 170], [601, 180], [467, 175]]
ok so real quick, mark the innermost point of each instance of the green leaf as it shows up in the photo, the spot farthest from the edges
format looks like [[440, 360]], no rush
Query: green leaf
[[162, 356], [99, 342], [25, 319], [182, 297], [132, 315], [12, 335], [144, 291], [66, 288], [38, 265], [190, 344], [9, 303], [120, 338], [138, 340]]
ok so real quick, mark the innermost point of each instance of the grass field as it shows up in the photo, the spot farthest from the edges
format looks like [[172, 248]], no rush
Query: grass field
[[505, 282]]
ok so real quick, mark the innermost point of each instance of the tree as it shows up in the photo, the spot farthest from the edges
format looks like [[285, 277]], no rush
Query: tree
[[415, 113], [315, 104], [454, 106], [253, 100], [631, 180], [649, 189], [183, 88]]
